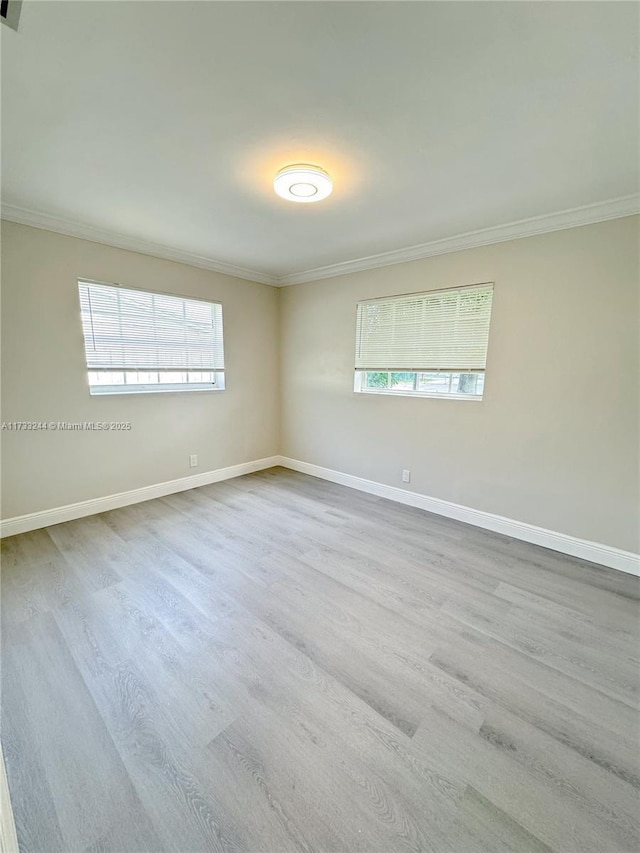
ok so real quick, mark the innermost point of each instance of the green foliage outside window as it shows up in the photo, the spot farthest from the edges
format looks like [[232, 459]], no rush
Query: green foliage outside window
[[377, 380]]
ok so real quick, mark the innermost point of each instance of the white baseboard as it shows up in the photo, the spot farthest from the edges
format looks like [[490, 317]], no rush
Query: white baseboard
[[594, 552], [604, 555], [8, 836], [35, 520]]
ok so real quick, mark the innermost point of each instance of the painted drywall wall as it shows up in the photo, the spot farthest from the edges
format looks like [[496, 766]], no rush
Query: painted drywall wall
[[44, 378], [554, 442]]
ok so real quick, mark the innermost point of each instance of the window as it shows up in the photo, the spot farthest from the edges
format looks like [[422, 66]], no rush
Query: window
[[139, 341], [424, 344], [10, 12]]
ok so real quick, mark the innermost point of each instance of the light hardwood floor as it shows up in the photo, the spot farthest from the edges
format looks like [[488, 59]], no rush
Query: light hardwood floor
[[277, 663]]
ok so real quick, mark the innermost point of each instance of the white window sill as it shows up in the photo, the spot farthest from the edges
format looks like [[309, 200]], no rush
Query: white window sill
[[110, 390], [473, 398]]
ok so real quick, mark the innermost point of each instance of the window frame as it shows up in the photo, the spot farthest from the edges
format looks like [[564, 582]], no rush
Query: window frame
[[160, 387], [361, 372], [124, 389], [360, 387]]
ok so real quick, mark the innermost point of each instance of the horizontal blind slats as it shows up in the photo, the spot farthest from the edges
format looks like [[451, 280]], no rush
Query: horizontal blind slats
[[438, 330], [140, 330]]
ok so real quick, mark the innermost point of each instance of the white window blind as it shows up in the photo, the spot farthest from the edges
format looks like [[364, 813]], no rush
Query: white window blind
[[138, 330], [442, 330]]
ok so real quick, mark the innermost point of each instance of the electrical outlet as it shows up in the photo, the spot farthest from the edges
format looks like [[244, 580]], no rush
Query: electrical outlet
[[406, 476], [193, 460]]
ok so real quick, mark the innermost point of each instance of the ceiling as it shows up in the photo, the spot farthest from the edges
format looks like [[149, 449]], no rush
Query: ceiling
[[165, 122]]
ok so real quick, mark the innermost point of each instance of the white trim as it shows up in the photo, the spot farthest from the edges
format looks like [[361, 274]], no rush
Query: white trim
[[359, 386], [594, 552], [36, 219], [47, 517], [587, 215], [573, 218], [8, 835]]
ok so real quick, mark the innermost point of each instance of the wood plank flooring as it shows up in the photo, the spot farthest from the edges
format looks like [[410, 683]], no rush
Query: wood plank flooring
[[277, 663]]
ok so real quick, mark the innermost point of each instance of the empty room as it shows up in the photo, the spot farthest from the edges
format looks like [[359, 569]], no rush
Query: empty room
[[320, 427]]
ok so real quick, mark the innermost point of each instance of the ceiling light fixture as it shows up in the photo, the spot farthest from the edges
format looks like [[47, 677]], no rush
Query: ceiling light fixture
[[303, 183]]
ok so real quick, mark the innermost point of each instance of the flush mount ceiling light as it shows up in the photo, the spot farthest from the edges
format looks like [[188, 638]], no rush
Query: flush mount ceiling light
[[302, 183]]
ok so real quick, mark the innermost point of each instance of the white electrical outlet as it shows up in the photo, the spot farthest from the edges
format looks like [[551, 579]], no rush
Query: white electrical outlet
[[193, 460], [406, 476]]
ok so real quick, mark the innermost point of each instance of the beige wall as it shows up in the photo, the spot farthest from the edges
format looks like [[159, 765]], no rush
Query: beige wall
[[554, 442], [44, 377]]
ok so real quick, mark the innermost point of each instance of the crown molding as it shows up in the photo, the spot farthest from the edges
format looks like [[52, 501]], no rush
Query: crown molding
[[573, 218], [587, 215], [24, 216]]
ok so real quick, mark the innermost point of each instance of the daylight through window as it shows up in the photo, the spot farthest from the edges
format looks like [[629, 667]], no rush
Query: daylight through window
[[430, 344], [141, 341]]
